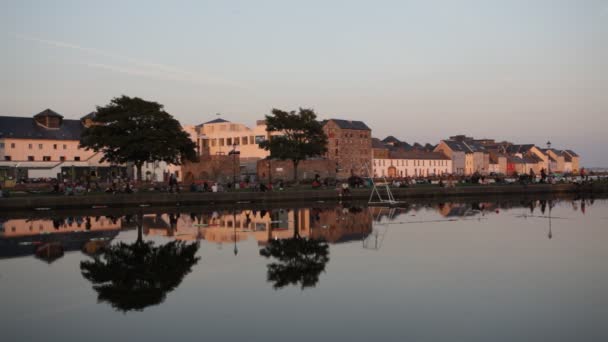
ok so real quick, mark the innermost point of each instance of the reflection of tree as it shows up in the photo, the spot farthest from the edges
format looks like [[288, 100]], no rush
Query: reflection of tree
[[135, 276], [299, 260]]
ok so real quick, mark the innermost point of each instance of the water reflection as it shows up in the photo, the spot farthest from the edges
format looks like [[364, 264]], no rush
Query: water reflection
[[137, 275], [298, 260], [132, 276]]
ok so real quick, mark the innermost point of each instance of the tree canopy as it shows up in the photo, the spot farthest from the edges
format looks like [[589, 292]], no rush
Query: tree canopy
[[135, 276], [138, 131], [298, 260], [301, 136]]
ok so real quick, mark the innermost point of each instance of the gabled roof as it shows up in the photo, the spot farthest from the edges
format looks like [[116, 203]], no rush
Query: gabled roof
[[91, 116], [402, 154], [456, 146], [519, 148], [390, 139], [49, 112], [348, 124], [218, 120], [376, 143], [27, 128], [571, 153]]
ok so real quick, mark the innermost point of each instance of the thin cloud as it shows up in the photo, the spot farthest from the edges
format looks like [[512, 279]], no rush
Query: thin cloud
[[137, 67]]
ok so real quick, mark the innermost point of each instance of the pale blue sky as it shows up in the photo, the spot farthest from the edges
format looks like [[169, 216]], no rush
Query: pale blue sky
[[526, 71]]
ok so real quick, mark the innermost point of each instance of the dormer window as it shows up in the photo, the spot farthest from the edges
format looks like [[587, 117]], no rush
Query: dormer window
[[49, 119]]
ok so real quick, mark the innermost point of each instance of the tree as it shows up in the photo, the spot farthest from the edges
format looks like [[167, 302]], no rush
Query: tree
[[299, 260], [138, 131], [301, 136], [135, 276]]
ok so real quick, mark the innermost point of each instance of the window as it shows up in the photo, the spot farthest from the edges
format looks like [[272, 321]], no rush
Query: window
[[12, 145], [237, 141], [46, 158], [77, 158], [221, 141], [1, 145], [229, 141], [7, 158], [65, 146], [213, 142], [244, 140], [29, 146], [30, 158], [40, 146], [251, 140], [62, 158], [54, 146]]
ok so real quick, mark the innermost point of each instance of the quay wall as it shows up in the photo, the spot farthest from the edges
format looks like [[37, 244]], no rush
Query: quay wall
[[240, 198]]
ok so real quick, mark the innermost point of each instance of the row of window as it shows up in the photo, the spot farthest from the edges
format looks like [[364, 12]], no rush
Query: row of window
[[44, 158], [417, 172], [402, 162], [246, 140], [31, 146]]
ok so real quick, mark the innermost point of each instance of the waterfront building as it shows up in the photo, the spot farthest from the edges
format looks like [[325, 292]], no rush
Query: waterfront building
[[45, 146], [412, 164], [223, 137], [349, 146]]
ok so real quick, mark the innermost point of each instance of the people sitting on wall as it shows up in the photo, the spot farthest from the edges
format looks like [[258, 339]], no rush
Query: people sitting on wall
[[345, 189]]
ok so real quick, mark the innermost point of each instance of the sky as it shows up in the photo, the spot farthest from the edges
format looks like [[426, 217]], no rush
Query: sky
[[525, 71]]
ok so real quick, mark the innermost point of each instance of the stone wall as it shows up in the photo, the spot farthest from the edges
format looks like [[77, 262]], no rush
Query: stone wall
[[307, 169], [218, 168]]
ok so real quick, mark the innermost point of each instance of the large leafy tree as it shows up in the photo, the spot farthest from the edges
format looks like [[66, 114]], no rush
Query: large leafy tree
[[138, 131], [297, 260], [301, 136], [135, 276]]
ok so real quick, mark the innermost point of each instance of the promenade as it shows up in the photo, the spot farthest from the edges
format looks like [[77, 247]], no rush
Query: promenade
[[144, 199]]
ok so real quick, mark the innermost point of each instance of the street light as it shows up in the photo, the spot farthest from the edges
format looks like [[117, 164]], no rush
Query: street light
[[548, 157], [234, 152]]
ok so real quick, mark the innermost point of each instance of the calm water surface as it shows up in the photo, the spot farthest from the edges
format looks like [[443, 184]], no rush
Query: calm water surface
[[524, 270]]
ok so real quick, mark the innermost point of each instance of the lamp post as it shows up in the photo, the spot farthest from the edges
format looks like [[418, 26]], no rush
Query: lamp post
[[548, 158], [234, 152]]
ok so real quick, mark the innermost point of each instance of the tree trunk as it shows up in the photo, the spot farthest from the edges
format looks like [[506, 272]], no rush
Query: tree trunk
[[138, 166], [140, 223], [295, 171], [296, 223]]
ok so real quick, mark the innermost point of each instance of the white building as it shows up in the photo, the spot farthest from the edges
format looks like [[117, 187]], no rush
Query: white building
[[412, 164]]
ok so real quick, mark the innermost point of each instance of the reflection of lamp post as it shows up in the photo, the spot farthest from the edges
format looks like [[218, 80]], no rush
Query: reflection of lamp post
[[236, 250], [550, 235]]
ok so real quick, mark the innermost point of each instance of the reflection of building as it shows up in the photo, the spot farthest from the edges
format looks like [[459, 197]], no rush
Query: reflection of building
[[333, 225], [340, 224], [24, 227], [20, 237]]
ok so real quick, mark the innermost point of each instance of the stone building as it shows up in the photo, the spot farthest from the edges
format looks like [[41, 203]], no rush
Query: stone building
[[349, 146]]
